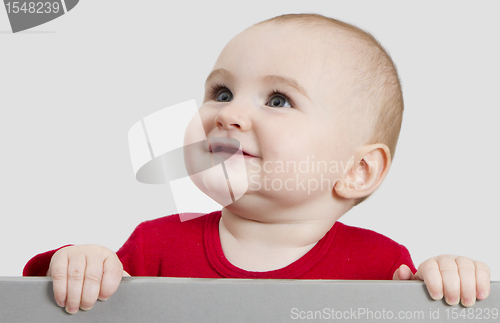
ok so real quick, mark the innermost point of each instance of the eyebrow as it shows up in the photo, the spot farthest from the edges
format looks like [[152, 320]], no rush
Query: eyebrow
[[220, 72], [287, 81]]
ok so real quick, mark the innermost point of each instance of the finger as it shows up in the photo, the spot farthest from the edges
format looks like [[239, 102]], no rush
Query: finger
[[58, 269], [482, 280], [403, 273], [92, 282], [112, 275], [429, 272], [451, 280], [467, 272], [125, 274], [76, 271]]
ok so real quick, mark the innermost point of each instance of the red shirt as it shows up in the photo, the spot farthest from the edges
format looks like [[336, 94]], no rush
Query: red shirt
[[170, 248]]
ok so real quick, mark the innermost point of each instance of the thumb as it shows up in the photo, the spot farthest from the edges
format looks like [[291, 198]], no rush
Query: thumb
[[403, 273]]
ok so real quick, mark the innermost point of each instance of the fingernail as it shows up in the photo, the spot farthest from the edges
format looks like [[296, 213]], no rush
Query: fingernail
[[62, 304], [71, 311], [86, 309], [481, 295], [467, 302], [103, 299], [452, 301], [436, 296]]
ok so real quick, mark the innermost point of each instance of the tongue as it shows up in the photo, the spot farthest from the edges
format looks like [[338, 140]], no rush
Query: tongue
[[229, 150]]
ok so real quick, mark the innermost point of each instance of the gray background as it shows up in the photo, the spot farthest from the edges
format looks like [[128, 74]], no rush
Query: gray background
[[70, 90]]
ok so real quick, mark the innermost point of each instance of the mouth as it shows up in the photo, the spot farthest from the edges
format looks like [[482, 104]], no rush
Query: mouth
[[218, 147]]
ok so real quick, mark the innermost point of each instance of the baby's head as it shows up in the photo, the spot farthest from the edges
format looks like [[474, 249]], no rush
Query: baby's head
[[301, 90]]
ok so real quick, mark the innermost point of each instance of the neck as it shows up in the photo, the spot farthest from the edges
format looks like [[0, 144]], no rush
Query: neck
[[276, 238]]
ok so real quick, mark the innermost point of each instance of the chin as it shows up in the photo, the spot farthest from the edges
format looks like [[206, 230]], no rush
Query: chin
[[214, 184]]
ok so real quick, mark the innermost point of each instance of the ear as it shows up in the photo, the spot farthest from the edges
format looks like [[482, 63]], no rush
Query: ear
[[370, 166]]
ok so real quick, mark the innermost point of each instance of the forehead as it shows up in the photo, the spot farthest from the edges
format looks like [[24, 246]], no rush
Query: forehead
[[309, 55], [267, 44]]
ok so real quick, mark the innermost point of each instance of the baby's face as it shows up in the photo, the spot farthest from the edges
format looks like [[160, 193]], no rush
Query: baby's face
[[278, 90]]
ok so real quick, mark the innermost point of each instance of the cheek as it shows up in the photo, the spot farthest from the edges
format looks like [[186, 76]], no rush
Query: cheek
[[207, 116], [284, 142]]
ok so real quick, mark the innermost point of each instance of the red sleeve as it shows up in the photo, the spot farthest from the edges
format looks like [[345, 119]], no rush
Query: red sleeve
[[131, 254], [39, 264], [404, 259]]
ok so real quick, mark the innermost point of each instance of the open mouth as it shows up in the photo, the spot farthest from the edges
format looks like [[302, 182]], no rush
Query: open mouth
[[230, 150], [217, 147]]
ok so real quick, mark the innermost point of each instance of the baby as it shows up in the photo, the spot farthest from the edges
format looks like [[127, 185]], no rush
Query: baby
[[292, 90]]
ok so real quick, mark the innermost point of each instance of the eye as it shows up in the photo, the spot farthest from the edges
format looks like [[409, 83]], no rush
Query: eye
[[279, 101], [224, 95]]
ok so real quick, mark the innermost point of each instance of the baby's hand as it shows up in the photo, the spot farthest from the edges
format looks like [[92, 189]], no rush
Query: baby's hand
[[82, 274], [457, 278]]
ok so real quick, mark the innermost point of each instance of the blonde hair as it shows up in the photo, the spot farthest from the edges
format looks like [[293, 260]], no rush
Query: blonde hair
[[376, 88]]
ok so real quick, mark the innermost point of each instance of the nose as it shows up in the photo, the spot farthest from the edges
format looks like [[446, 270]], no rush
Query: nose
[[233, 116]]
